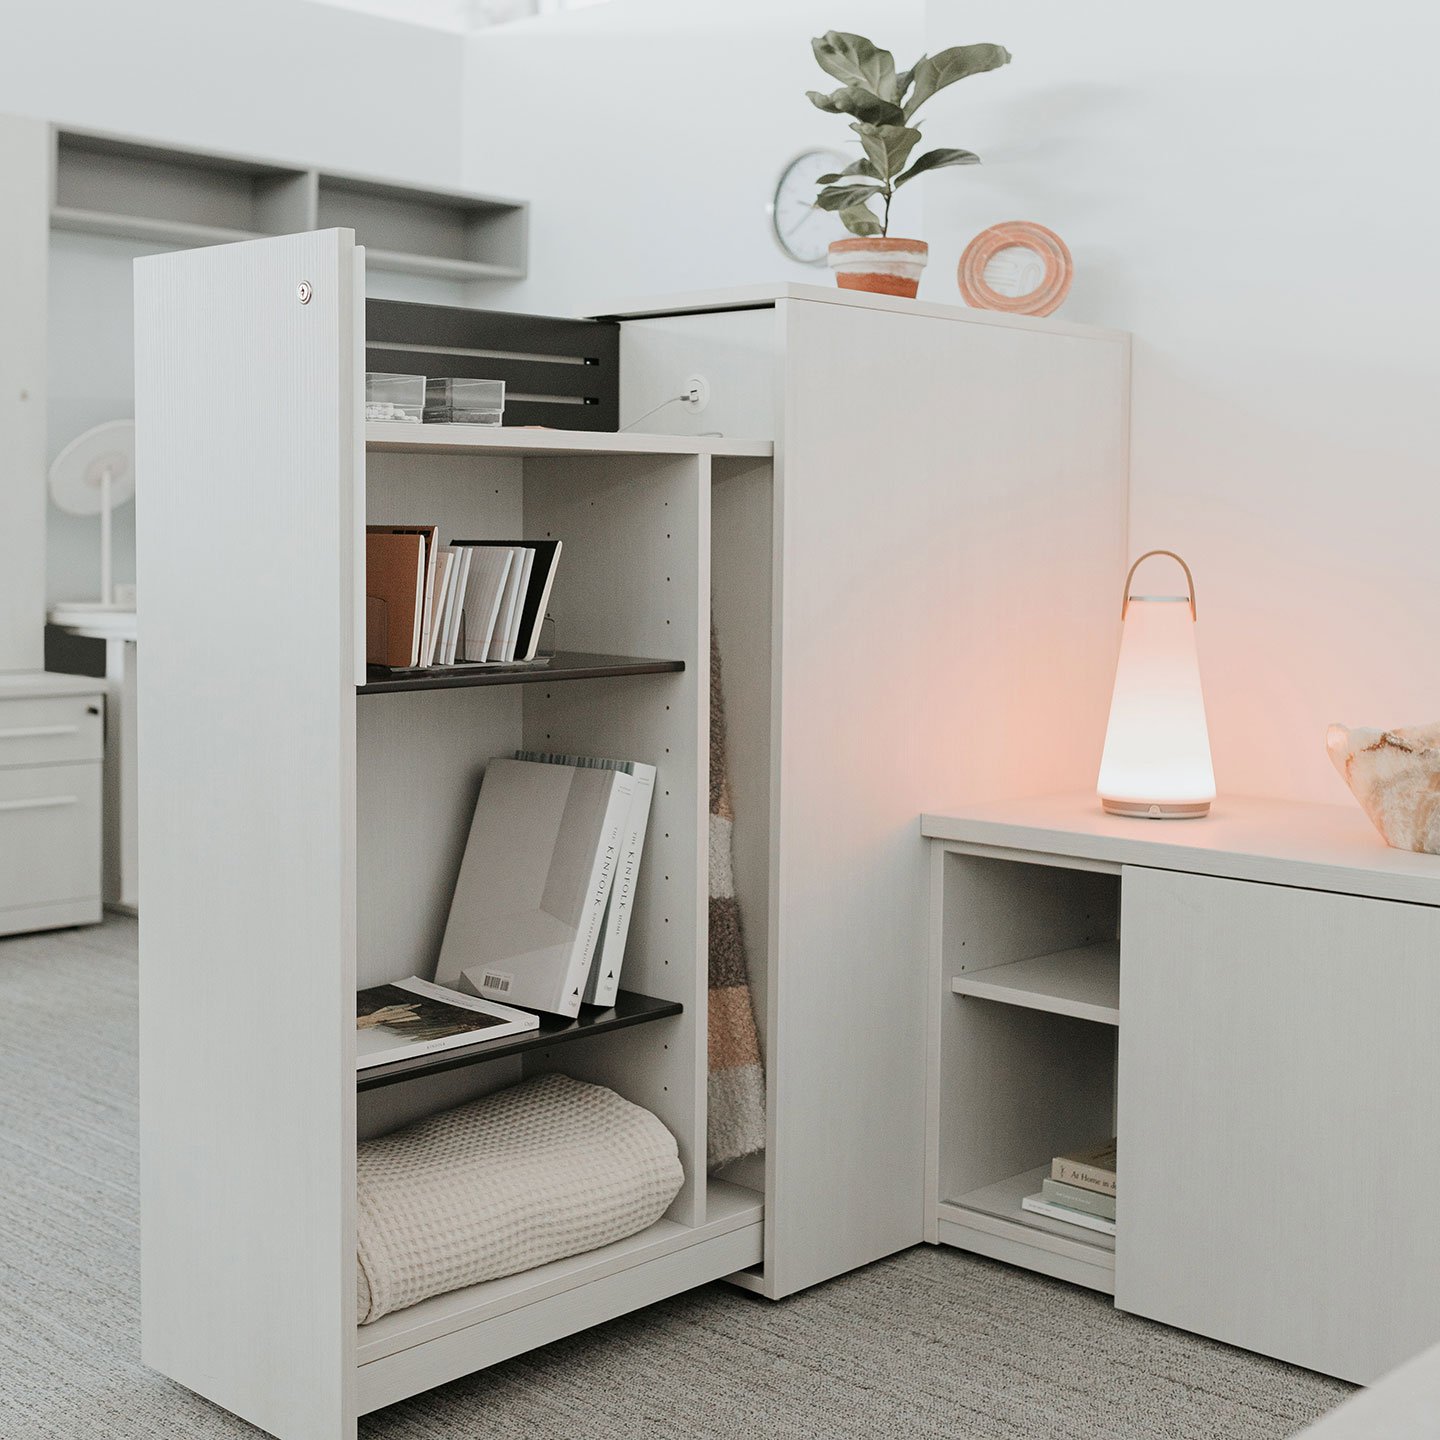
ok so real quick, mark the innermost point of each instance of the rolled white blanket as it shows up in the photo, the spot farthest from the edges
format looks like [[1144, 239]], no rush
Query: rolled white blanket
[[549, 1168]]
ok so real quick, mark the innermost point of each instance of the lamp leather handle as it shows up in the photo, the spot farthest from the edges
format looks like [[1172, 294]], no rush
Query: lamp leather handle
[[1189, 579]]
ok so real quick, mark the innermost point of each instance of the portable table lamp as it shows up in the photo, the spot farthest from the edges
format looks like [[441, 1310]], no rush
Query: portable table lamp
[[1156, 762]]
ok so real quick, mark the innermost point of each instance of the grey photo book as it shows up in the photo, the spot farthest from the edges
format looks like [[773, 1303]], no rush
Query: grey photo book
[[529, 904]]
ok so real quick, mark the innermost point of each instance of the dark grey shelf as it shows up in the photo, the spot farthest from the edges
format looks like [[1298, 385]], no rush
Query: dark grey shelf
[[566, 665], [629, 1009]]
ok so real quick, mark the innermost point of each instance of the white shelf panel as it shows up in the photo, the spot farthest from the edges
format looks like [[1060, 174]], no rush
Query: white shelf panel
[[144, 227], [439, 266], [1084, 983], [1275, 842], [728, 1208], [1001, 1201], [499, 440]]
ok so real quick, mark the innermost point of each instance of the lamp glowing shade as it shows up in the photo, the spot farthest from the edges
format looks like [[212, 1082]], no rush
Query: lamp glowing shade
[[1156, 762]]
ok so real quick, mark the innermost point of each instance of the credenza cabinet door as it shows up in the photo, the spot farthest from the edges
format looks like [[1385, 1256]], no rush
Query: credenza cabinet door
[[1279, 1119]]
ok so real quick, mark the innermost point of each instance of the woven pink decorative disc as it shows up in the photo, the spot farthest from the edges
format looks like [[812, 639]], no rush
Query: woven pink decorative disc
[[1046, 244]]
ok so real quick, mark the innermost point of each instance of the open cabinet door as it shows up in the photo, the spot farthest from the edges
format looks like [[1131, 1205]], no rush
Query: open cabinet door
[[247, 386]]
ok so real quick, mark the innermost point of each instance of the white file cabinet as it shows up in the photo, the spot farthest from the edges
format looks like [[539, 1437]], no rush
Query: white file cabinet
[[52, 739]]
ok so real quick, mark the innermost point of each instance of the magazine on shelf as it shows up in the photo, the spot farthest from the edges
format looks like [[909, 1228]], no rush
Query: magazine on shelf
[[412, 1017], [541, 856], [1039, 1205]]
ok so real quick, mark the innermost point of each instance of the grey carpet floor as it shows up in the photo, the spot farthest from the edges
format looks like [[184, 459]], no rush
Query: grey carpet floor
[[930, 1343]]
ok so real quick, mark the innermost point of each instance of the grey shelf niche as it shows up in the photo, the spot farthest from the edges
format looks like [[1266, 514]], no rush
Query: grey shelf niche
[[111, 185]]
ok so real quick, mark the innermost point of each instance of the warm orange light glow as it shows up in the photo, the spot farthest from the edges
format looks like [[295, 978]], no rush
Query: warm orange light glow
[[1157, 747]]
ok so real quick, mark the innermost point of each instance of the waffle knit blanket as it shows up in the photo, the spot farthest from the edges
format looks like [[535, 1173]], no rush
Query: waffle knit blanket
[[737, 1077], [549, 1168]]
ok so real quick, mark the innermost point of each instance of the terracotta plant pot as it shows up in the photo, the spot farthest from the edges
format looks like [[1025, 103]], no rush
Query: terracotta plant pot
[[884, 267]]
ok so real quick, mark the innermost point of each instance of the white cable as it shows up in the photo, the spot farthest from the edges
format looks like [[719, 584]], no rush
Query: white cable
[[673, 400]]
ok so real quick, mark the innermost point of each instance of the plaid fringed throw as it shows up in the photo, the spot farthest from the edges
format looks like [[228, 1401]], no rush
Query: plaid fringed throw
[[737, 1076]]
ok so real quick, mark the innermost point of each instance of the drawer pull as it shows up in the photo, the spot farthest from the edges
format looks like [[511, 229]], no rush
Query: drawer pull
[[44, 802], [30, 732]]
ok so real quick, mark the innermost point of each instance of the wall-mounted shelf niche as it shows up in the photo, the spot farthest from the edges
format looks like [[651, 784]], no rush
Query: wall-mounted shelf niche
[[137, 190]]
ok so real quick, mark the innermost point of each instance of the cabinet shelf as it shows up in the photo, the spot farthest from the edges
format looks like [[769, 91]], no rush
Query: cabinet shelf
[[1084, 983], [1001, 1201], [629, 1009], [567, 665]]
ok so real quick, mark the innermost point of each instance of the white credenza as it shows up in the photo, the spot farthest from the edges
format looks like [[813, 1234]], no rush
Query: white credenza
[[52, 737], [1252, 1000]]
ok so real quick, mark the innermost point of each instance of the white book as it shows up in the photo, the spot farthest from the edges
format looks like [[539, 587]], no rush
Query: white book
[[604, 983], [509, 606], [1039, 1205], [412, 1017], [444, 572], [489, 570], [539, 862], [525, 557], [456, 609]]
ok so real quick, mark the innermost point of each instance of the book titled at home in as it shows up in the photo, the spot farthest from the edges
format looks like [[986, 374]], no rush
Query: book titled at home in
[[1090, 1169], [413, 1017]]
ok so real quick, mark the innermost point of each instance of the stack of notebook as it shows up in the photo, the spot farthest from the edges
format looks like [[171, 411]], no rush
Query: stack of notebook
[[471, 602], [1080, 1190]]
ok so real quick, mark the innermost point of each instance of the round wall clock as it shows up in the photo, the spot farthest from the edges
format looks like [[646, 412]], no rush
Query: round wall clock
[[801, 231]]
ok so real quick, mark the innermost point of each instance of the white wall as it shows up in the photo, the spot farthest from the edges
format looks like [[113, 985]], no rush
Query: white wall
[[1249, 190], [648, 135], [281, 79]]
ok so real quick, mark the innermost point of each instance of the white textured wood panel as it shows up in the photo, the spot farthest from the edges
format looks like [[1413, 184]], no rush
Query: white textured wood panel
[[1279, 1085], [734, 351], [1084, 983], [247, 438], [1277, 842], [25, 151], [634, 579], [952, 536], [473, 1347], [382, 435]]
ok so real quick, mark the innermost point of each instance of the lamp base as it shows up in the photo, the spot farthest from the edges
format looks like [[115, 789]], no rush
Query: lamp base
[[1145, 810]]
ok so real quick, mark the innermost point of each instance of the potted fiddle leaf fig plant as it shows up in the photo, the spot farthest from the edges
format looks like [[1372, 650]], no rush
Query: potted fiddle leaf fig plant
[[882, 104]]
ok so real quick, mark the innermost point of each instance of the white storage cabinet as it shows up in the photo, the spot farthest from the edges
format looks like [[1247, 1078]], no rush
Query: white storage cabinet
[[301, 826]]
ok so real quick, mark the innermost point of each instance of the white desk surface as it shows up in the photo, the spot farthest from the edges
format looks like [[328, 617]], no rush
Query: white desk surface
[[1277, 842], [40, 684], [765, 296]]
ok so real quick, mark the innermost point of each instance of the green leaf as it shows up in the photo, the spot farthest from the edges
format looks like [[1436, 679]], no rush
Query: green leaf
[[887, 146], [902, 81], [937, 160], [843, 197], [862, 166], [935, 72], [854, 60], [859, 221], [853, 100]]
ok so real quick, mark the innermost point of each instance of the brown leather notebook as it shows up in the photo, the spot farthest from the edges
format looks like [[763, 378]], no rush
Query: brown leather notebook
[[394, 598]]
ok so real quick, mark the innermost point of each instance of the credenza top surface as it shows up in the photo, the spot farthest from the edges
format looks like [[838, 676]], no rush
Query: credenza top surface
[[1276, 842]]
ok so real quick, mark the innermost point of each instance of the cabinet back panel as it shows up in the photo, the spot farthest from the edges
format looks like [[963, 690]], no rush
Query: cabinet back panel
[[636, 580]]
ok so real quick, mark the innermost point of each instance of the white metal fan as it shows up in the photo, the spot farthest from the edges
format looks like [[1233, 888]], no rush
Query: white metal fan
[[94, 475]]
